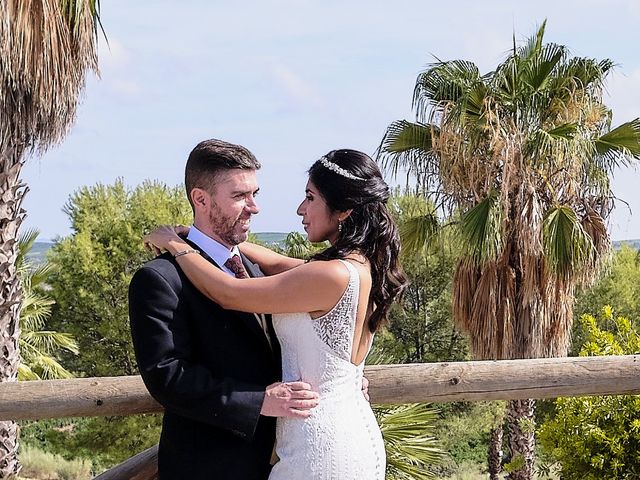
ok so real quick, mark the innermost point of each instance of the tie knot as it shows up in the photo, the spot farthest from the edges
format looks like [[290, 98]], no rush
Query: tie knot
[[234, 263]]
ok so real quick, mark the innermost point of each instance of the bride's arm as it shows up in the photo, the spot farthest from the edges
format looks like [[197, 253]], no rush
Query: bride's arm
[[271, 263], [311, 287]]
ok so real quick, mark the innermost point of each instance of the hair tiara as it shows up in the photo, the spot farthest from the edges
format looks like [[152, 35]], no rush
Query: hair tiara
[[339, 170]]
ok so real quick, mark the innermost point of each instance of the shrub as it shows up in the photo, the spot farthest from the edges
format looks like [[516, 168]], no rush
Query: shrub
[[598, 438], [43, 465]]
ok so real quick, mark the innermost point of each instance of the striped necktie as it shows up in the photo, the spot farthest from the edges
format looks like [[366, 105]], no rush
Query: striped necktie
[[234, 263]]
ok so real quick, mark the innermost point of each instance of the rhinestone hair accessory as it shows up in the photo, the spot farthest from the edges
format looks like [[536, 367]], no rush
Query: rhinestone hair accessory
[[339, 170]]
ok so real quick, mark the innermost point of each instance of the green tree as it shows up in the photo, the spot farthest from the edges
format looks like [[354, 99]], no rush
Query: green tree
[[523, 157], [94, 265], [38, 347], [422, 324], [598, 438], [45, 50], [90, 281], [620, 286]]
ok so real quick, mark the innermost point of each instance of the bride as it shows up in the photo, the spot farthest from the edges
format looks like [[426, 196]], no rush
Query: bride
[[326, 312]]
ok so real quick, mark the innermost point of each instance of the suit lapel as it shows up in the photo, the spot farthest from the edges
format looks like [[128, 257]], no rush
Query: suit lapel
[[254, 271]]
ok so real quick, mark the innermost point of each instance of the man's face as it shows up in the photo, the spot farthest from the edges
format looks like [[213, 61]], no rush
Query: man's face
[[232, 202]]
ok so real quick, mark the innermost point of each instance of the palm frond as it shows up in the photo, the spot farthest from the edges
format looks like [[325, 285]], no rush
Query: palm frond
[[444, 82], [35, 311], [474, 103], [481, 230], [25, 244], [533, 45], [566, 245], [38, 275], [412, 450], [618, 146], [406, 146], [25, 373], [538, 70], [419, 233], [48, 368], [38, 346], [402, 136], [552, 143], [49, 341]]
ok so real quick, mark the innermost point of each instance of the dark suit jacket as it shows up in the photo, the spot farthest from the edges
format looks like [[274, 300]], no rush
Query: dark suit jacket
[[209, 368]]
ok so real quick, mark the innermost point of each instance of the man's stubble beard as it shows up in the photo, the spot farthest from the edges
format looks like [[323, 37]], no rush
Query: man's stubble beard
[[225, 227]]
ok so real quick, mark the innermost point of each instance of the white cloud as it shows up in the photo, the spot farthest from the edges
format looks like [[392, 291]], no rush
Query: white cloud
[[113, 55], [301, 91]]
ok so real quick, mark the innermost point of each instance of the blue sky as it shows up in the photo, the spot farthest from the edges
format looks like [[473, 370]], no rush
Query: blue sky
[[292, 80]]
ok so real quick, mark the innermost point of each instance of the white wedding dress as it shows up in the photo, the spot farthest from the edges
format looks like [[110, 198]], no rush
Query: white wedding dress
[[341, 439]]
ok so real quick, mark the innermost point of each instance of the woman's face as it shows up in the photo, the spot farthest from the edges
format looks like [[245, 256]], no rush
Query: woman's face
[[319, 223]]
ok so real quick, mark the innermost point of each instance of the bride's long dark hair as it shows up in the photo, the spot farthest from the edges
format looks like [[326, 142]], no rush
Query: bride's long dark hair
[[369, 229]]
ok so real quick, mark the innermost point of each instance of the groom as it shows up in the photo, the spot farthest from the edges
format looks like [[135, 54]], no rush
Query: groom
[[215, 371]]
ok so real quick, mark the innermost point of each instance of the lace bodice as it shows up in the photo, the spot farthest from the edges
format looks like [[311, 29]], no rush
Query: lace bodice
[[336, 328], [341, 439]]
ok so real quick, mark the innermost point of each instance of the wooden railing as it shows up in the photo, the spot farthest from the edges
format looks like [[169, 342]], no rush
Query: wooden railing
[[389, 384]]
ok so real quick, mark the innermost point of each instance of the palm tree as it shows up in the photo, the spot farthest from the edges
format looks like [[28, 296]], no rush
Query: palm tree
[[296, 245], [45, 49], [38, 346], [521, 159]]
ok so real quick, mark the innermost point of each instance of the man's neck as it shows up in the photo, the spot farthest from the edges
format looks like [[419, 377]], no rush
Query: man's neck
[[215, 250], [206, 230]]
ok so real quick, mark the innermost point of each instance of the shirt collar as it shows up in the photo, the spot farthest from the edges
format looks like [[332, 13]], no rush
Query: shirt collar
[[218, 252]]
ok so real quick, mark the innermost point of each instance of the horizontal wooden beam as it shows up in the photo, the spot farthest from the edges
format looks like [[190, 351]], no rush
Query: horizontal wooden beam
[[143, 466], [76, 397], [505, 379], [389, 384]]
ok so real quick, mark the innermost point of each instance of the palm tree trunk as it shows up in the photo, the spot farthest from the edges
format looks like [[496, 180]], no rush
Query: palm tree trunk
[[495, 452], [12, 192], [520, 417]]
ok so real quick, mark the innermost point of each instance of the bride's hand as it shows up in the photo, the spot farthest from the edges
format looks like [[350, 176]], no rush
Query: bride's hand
[[181, 230], [160, 239]]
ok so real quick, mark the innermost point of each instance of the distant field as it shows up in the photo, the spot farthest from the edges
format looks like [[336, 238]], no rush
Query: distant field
[[632, 243], [271, 237], [39, 250]]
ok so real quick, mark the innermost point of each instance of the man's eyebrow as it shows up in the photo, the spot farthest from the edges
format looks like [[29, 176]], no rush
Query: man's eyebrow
[[244, 192]]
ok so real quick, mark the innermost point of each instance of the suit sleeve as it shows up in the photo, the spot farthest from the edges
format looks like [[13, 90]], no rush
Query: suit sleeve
[[162, 342]]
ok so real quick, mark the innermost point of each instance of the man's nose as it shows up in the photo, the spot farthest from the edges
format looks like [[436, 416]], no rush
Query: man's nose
[[252, 206]]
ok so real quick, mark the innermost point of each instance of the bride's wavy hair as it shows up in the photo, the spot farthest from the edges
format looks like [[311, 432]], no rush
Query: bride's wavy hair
[[349, 179]]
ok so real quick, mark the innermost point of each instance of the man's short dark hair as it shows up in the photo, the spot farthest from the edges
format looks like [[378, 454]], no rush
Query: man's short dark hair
[[211, 157]]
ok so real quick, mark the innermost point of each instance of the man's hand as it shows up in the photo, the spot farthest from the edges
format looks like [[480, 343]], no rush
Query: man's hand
[[365, 388], [289, 399]]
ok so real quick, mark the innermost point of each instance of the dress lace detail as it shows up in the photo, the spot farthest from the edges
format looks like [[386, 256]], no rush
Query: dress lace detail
[[332, 328], [341, 439]]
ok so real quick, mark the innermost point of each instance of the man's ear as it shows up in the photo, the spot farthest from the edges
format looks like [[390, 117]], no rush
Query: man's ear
[[199, 198]]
